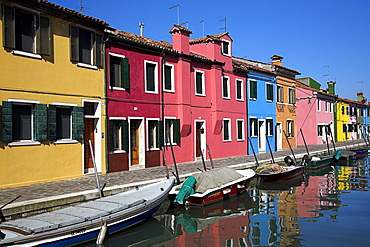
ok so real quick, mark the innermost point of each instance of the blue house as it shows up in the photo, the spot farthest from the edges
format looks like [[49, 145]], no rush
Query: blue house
[[261, 106]]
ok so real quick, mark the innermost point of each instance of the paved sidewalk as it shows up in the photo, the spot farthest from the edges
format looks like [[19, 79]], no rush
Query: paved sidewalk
[[47, 196]]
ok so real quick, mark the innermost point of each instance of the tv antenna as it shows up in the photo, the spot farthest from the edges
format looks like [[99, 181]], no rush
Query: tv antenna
[[187, 24], [362, 83], [202, 21], [82, 7], [178, 12], [327, 73], [224, 20]]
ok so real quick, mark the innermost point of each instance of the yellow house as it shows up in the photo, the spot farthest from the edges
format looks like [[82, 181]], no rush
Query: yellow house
[[342, 120], [285, 104], [51, 93]]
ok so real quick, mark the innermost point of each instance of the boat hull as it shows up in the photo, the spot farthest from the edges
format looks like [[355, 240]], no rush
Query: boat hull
[[290, 173], [150, 198], [323, 162], [360, 153]]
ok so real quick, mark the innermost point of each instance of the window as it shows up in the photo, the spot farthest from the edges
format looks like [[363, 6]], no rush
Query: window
[[86, 47], [226, 48], [24, 121], [280, 94], [269, 92], [239, 90], [172, 131], [119, 71], [151, 77], [253, 127], [320, 129], [199, 83], [318, 105], [290, 128], [225, 87], [154, 137], [253, 89], [345, 129], [269, 127], [291, 95], [226, 129], [240, 129], [118, 135], [25, 32], [65, 122], [326, 106], [342, 110], [169, 78]]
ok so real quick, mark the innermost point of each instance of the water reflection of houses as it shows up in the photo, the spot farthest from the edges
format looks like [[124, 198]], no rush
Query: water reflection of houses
[[353, 177], [319, 193], [222, 224]]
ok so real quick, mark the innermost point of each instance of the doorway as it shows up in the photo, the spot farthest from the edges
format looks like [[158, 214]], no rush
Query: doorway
[[261, 136], [200, 140], [279, 140], [89, 134], [137, 153]]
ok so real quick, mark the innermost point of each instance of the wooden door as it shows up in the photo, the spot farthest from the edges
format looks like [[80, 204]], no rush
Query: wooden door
[[88, 135], [198, 139], [134, 126]]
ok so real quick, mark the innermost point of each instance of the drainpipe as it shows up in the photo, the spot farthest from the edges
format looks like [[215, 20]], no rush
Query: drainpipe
[[106, 111]]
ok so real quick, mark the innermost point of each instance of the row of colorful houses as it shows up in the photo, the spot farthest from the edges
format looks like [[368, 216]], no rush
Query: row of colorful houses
[[75, 91]]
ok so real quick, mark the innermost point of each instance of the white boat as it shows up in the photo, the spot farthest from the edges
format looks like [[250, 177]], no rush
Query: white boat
[[84, 222]]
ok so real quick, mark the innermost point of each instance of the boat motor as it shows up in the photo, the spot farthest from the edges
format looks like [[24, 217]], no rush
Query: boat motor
[[289, 161]]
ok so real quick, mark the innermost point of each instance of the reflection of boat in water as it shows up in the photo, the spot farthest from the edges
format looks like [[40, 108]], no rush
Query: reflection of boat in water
[[195, 219], [319, 172], [280, 185], [151, 233], [288, 173]]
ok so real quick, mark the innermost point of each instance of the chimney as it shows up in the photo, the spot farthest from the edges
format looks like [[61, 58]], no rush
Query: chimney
[[277, 60], [180, 38], [331, 87], [360, 97]]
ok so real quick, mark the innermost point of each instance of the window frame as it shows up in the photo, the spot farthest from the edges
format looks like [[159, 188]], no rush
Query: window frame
[[279, 94], [70, 139], [242, 129], [241, 89], [225, 79], [252, 82], [203, 89], [228, 52], [268, 93], [291, 96], [12, 34], [269, 127], [318, 105], [228, 133], [124, 72], [290, 128], [157, 139], [253, 126], [174, 131], [155, 77], [121, 138], [172, 82]]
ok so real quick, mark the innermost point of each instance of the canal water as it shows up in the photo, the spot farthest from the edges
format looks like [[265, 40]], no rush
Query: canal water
[[328, 207]]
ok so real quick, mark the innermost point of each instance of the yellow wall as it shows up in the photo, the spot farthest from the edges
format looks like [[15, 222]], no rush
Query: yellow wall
[[341, 119], [285, 111], [51, 79]]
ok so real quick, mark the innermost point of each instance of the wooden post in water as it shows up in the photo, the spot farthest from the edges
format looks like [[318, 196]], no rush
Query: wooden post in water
[[201, 154], [210, 156], [174, 159], [268, 143], [286, 137], [304, 141], [254, 153], [95, 170]]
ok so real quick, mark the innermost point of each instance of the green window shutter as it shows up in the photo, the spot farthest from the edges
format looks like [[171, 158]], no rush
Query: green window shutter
[[160, 134], [52, 122], [44, 36], [176, 131], [270, 92], [40, 122], [8, 27], [125, 73], [125, 135], [74, 44], [253, 89], [7, 119], [77, 123], [98, 50], [111, 136]]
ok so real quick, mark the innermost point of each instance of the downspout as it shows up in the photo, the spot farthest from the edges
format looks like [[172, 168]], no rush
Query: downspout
[[106, 111]]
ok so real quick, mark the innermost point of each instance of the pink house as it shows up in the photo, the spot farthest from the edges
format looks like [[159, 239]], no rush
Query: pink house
[[315, 114], [187, 94]]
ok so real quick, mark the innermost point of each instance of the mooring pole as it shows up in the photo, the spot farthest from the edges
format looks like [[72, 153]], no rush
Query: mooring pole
[[254, 153], [268, 143], [95, 170], [304, 141], [174, 159], [286, 137], [210, 156]]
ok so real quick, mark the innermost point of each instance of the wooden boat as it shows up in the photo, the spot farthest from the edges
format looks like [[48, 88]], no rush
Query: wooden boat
[[289, 172], [83, 222], [217, 190], [360, 153], [286, 184], [316, 162]]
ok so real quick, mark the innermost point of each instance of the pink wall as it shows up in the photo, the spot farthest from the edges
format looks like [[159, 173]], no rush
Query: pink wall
[[306, 117]]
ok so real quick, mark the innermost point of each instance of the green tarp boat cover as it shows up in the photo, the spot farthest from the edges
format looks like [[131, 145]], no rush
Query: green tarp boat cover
[[201, 182]]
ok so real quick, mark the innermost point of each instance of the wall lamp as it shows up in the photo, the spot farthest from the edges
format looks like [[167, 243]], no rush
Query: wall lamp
[[309, 99]]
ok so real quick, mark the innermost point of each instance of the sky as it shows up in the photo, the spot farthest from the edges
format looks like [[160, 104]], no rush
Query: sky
[[327, 40]]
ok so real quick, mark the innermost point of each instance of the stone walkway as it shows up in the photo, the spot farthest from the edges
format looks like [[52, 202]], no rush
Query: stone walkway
[[47, 196]]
